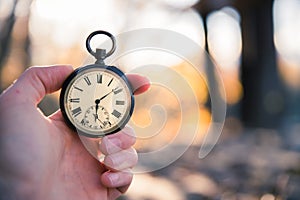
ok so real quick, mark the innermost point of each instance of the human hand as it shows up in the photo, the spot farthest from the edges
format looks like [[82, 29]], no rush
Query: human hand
[[42, 158]]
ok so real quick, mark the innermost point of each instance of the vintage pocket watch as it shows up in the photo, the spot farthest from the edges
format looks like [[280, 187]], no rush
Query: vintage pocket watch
[[97, 100]]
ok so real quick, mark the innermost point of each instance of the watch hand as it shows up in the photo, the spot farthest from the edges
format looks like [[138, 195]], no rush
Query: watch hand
[[105, 95], [101, 122], [98, 100], [96, 117]]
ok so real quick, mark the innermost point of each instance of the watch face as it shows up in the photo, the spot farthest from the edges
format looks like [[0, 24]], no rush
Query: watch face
[[97, 100]]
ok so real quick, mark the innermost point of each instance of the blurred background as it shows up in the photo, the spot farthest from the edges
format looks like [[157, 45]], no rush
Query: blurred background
[[256, 46]]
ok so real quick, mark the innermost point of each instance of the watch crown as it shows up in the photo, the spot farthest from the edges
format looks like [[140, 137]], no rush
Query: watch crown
[[100, 56]]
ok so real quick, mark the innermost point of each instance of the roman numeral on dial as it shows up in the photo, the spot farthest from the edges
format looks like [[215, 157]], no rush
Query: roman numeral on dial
[[76, 111], [118, 91], [79, 89], [110, 82], [99, 78], [120, 102], [75, 100], [87, 80], [116, 113]]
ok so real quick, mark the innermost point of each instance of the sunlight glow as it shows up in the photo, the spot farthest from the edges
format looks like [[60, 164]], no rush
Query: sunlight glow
[[287, 29], [225, 46], [180, 4], [68, 22], [151, 15], [287, 40], [224, 37], [65, 23]]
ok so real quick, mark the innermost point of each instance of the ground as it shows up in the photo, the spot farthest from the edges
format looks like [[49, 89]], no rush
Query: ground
[[256, 164]]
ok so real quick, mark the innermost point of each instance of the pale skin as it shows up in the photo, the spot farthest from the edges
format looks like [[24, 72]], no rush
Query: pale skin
[[42, 158]]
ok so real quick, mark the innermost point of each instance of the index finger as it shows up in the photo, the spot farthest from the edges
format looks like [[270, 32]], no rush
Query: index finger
[[139, 83]]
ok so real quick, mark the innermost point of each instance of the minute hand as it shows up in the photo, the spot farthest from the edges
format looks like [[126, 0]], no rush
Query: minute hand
[[107, 94]]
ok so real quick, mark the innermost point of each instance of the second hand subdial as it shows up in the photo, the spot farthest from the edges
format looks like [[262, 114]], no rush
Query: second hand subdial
[[96, 117]]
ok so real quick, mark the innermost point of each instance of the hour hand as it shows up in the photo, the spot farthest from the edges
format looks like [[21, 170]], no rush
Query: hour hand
[[97, 101], [96, 117]]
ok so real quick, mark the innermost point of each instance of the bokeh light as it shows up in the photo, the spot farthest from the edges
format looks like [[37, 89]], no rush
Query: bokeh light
[[225, 46], [287, 40], [224, 37]]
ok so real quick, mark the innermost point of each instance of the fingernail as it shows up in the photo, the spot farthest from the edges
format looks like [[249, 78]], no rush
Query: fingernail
[[114, 178]]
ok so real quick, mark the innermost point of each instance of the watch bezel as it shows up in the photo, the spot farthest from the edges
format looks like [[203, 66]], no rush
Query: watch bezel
[[77, 72]]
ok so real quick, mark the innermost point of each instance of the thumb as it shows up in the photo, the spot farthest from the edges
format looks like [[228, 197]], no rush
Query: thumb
[[36, 82]]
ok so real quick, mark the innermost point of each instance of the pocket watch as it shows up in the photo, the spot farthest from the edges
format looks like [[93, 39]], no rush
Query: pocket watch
[[97, 100]]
